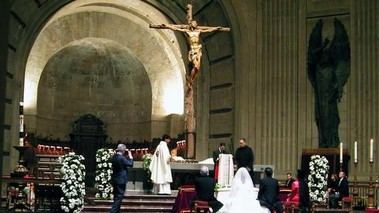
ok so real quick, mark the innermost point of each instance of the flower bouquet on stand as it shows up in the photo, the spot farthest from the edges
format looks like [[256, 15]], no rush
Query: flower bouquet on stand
[[147, 183], [104, 174], [73, 186], [317, 179]]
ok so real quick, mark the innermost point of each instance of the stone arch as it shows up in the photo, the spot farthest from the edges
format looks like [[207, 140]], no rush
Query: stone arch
[[219, 53], [158, 51], [97, 76]]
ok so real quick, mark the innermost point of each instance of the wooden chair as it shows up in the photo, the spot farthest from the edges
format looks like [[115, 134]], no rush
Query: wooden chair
[[201, 206], [291, 207], [347, 202]]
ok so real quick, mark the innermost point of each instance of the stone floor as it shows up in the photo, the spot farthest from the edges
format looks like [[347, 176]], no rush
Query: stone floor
[[134, 201]]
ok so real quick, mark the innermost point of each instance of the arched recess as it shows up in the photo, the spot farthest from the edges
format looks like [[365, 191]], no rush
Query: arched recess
[[125, 23], [98, 76], [216, 89]]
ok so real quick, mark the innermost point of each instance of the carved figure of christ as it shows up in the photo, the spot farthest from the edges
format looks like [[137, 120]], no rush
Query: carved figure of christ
[[192, 32]]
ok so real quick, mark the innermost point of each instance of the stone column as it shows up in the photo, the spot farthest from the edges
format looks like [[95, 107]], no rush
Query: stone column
[[4, 18]]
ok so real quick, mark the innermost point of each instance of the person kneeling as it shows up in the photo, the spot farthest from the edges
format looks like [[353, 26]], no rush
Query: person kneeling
[[268, 194], [205, 186]]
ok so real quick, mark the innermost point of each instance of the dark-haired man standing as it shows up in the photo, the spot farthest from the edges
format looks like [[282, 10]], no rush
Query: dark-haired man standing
[[216, 157], [245, 157]]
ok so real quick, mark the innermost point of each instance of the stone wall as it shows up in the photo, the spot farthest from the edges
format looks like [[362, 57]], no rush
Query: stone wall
[[253, 81], [274, 99]]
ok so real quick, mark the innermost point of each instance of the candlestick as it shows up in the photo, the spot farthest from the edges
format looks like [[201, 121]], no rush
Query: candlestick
[[21, 142], [21, 118], [355, 152], [341, 152], [355, 188], [21, 123], [370, 193], [372, 150]]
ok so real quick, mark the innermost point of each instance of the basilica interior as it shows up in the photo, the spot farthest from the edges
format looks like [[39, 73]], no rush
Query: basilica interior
[[88, 74]]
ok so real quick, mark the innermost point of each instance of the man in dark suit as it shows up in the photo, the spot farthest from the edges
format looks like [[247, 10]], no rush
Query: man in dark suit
[[343, 185], [216, 153], [341, 192], [268, 194], [120, 175], [245, 157], [205, 186], [220, 150]]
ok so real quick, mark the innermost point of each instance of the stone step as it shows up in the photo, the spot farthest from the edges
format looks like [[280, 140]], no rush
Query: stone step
[[138, 201], [151, 196], [134, 203], [140, 209], [143, 196]]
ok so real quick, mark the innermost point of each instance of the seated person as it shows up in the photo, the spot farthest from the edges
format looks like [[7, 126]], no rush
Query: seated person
[[243, 195], [289, 180], [341, 192], [268, 195], [205, 186], [332, 184], [294, 197], [299, 193]]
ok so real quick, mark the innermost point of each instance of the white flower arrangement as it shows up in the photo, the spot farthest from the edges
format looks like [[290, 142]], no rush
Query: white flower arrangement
[[104, 173], [317, 179], [147, 182], [146, 160], [73, 186]]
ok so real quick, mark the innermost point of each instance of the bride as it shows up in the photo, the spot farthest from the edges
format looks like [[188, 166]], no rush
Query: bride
[[243, 195]]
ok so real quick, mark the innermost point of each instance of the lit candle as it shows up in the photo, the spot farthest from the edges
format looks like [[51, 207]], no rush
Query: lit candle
[[371, 150], [355, 152], [21, 143], [341, 152]]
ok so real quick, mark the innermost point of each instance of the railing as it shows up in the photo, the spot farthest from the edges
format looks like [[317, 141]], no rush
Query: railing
[[362, 188]]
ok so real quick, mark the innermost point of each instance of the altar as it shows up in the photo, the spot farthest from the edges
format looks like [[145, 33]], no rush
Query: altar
[[183, 172]]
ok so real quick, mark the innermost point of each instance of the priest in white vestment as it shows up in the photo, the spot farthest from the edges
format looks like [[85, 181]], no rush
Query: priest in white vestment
[[160, 167]]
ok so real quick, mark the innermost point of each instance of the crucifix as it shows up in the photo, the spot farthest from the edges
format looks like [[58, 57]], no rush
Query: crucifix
[[192, 32]]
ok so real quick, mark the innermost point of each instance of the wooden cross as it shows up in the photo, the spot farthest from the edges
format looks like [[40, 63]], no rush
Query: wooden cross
[[192, 32]]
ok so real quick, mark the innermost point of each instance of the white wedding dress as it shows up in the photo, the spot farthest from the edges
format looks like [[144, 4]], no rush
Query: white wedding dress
[[243, 195]]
